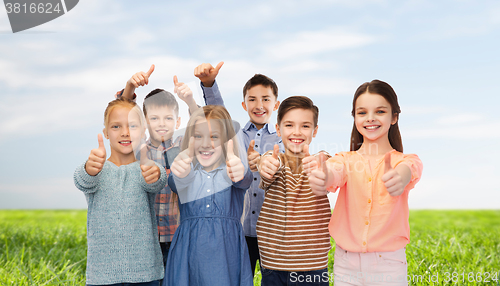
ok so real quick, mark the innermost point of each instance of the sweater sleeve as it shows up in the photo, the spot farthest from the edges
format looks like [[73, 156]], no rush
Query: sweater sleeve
[[85, 182]]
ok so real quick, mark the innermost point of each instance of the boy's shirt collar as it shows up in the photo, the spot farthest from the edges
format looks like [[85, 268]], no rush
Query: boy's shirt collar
[[269, 127]]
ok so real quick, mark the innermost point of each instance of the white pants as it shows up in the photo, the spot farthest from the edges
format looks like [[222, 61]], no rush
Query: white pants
[[370, 268]]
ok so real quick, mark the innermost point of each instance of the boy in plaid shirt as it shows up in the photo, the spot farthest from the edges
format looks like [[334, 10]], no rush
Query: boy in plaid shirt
[[162, 116]]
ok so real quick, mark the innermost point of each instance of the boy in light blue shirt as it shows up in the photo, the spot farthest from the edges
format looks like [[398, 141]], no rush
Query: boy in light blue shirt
[[260, 99]]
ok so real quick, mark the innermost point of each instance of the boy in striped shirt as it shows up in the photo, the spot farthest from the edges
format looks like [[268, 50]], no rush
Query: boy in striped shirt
[[292, 229]]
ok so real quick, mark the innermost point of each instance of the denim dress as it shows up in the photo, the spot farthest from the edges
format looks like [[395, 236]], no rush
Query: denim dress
[[209, 246]]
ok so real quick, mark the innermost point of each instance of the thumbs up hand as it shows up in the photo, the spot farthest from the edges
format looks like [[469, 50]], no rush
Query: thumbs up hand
[[393, 181], [141, 78], [182, 163], [182, 90], [96, 159], [318, 178], [309, 163], [235, 169], [207, 73], [253, 157], [269, 164], [150, 170]]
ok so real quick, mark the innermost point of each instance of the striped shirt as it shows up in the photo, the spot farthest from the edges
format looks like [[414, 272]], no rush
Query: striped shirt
[[292, 229]]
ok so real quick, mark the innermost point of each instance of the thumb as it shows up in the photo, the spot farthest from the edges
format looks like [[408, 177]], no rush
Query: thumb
[[144, 155], [250, 147], [387, 161], [191, 148], [101, 142], [276, 151], [219, 65], [176, 81], [230, 150], [150, 71], [322, 162], [306, 150]]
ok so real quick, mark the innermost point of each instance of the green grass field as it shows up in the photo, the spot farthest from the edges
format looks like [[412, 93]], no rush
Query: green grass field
[[447, 248]]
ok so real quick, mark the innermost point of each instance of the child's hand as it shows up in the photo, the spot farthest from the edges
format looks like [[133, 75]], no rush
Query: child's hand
[[182, 163], [253, 157], [318, 177], [207, 73], [150, 171], [96, 159], [141, 78], [269, 164], [182, 90], [392, 179], [309, 163], [235, 169]]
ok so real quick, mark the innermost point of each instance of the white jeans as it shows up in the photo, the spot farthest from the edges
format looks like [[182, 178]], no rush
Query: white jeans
[[370, 268]]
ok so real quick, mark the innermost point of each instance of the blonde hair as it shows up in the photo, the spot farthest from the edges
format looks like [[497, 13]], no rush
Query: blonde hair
[[214, 113], [123, 102]]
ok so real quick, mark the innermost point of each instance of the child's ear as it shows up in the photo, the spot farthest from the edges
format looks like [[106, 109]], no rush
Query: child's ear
[[178, 123], [315, 131], [278, 130], [244, 105], [276, 105], [394, 118], [105, 132]]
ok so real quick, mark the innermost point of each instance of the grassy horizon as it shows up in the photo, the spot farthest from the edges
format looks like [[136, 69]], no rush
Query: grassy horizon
[[48, 247]]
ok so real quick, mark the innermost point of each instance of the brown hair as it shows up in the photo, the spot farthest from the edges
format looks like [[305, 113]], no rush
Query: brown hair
[[260, 79], [122, 102], [213, 113], [385, 90], [160, 98], [301, 102]]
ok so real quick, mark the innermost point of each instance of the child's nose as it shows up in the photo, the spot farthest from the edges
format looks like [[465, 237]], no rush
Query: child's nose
[[125, 132], [206, 142]]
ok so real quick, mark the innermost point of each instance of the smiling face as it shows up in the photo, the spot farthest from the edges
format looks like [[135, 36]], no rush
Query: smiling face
[[124, 132], [260, 102], [296, 130], [373, 117], [162, 122], [207, 143]]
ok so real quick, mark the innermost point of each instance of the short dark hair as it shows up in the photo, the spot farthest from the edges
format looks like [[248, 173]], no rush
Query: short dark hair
[[260, 79], [301, 102], [159, 98]]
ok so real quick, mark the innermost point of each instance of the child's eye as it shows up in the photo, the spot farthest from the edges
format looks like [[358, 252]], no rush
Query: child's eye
[[153, 118], [266, 99], [288, 125], [381, 111], [361, 113], [305, 126], [196, 136], [115, 127], [133, 126], [215, 137], [170, 118]]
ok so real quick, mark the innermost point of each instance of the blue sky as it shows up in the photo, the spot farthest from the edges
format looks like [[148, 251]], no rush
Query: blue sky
[[441, 57]]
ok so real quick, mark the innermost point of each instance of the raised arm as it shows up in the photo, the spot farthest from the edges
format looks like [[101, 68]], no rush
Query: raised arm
[[207, 74], [138, 79]]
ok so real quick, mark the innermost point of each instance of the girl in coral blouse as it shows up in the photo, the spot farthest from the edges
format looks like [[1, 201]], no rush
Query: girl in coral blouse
[[370, 220]]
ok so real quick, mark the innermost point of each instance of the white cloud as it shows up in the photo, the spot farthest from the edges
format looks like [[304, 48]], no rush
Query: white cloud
[[326, 86], [314, 42], [479, 131], [460, 119]]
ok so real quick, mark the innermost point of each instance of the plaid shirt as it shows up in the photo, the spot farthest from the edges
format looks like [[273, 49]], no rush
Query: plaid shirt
[[166, 202]]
